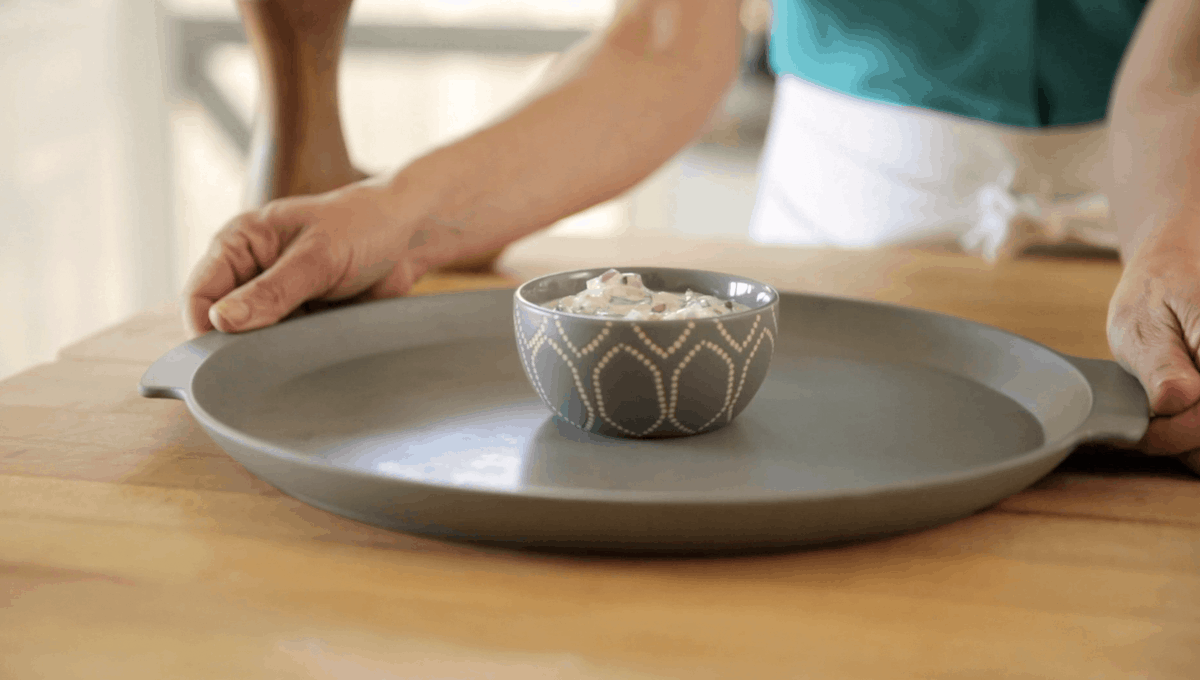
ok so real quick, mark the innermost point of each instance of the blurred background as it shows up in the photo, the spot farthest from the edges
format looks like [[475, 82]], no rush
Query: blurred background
[[126, 125]]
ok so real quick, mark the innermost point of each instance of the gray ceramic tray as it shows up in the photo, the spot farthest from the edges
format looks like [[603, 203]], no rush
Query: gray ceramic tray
[[415, 414]]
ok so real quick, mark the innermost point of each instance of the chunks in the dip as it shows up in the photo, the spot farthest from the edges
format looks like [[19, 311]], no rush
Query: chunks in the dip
[[624, 296]]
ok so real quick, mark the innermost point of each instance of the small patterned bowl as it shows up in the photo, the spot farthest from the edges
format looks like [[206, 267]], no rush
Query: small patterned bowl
[[647, 379]]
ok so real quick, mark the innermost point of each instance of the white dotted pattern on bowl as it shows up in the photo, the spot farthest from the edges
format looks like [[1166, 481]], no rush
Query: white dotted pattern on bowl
[[658, 386], [666, 406]]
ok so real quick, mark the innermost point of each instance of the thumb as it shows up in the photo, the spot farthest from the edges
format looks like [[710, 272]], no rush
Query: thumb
[[305, 271], [1170, 378], [1173, 387], [1149, 342]]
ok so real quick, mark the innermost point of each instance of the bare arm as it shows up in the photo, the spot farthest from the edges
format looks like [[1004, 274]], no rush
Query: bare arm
[[1154, 316], [610, 112], [1154, 116], [613, 110]]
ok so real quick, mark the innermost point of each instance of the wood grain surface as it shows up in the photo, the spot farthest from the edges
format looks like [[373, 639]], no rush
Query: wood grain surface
[[131, 546]]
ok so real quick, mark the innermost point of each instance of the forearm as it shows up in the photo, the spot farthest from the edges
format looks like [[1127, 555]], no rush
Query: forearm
[[638, 94], [1154, 132]]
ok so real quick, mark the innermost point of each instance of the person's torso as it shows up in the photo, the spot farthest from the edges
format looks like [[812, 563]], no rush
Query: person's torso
[[1029, 63]]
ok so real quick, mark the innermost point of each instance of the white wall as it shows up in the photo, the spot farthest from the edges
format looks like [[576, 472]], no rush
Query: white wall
[[85, 194]]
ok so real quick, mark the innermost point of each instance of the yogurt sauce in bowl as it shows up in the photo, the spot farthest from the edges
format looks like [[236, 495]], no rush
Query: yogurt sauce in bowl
[[624, 296]]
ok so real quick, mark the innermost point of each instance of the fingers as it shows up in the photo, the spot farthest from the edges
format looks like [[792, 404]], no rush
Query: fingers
[[266, 265], [304, 271], [248, 245], [1173, 387], [1150, 343], [1170, 379], [1154, 331], [1172, 435], [1149, 340]]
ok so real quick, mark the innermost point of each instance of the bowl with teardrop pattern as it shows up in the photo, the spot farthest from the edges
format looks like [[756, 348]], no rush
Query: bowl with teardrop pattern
[[647, 378]]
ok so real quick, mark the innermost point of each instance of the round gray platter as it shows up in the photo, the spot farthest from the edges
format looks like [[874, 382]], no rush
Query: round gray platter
[[415, 414]]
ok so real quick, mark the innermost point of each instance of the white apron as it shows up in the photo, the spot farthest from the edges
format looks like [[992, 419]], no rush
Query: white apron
[[842, 171]]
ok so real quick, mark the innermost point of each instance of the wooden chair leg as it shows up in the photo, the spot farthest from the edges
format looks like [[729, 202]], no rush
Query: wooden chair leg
[[298, 146]]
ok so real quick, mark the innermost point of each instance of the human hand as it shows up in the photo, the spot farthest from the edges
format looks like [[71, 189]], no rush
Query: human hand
[[1154, 332], [354, 243]]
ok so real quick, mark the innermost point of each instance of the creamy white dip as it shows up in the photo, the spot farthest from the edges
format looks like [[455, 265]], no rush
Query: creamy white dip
[[624, 296]]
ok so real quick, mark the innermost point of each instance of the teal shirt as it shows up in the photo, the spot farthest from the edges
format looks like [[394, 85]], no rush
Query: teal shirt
[[1029, 63]]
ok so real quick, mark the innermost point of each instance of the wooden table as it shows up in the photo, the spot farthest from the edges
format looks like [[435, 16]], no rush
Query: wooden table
[[132, 547]]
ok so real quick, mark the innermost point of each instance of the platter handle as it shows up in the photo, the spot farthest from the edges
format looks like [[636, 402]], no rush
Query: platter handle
[[170, 377], [1120, 407]]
